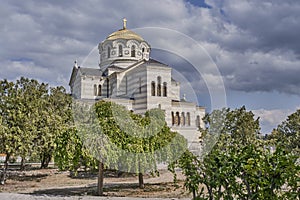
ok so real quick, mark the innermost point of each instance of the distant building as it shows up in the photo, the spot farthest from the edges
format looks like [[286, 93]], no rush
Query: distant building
[[128, 76]]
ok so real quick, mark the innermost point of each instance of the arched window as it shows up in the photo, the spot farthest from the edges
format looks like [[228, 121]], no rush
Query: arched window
[[198, 121], [188, 116], [182, 119], [165, 89], [152, 88], [132, 51], [173, 118], [95, 90], [140, 85], [107, 88], [143, 49], [120, 50], [111, 88], [177, 119], [108, 52], [99, 90], [158, 86]]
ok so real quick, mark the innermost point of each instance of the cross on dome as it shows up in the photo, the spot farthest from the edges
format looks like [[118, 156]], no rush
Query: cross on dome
[[124, 23]]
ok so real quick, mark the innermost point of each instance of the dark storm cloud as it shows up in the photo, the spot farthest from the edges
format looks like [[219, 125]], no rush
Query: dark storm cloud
[[270, 24]]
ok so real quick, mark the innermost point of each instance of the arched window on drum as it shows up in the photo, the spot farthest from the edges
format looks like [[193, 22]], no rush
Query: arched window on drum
[[132, 51], [120, 50], [108, 52]]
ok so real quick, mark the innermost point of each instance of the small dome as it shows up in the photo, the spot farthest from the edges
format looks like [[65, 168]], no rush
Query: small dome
[[124, 34]]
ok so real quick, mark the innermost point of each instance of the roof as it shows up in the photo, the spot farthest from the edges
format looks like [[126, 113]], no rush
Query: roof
[[90, 71], [84, 71], [114, 67], [74, 72], [153, 61], [124, 34], [140, 63]]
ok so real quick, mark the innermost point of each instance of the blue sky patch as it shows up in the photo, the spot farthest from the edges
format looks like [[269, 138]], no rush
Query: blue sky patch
[[199, 3]]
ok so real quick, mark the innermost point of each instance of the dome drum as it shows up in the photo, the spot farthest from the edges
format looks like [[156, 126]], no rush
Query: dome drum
[[123, 45]]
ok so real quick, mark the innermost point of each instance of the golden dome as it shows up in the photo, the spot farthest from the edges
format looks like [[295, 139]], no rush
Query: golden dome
[[124, 34]]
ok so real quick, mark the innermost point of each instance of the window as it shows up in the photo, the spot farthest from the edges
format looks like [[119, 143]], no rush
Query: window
[[108, 52], [165, 89], [132, 51], [111, 88], [158, 86], [182, 119], [140, 85], [198, 121], [107, 88], [173, 118], [99, 90], [177, 119], [152, 88], [95, 90], [143, 49], [188, 116], [120, 50]]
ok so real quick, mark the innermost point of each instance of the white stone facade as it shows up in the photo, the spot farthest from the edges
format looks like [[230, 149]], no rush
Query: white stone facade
[[129, 77]]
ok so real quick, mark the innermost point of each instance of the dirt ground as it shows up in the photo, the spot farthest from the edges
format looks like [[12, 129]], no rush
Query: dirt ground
[[54, 182]]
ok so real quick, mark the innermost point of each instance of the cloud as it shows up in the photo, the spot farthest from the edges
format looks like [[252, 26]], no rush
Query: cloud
[[254, 43], [274, 24], [270, 119], [260, 71]]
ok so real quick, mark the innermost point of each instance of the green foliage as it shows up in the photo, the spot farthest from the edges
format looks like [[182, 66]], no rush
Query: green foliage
[[32, 116], [289, 132], [126, 141], [70, 153], [241, 166]]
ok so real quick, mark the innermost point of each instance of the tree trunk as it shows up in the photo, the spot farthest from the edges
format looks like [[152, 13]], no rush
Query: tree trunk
[[141, 178], [194, 194], [100, 179], [22, 166], [45, 160], [3, 174], [141, 181]]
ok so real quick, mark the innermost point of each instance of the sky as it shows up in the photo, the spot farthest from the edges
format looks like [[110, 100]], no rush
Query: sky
[[254, 45]]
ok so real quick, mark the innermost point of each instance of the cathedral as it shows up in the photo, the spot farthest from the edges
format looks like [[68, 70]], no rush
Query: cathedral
[[127, 75]]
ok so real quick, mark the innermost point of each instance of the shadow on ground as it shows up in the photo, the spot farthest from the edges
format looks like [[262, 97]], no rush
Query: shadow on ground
[[110, 189]]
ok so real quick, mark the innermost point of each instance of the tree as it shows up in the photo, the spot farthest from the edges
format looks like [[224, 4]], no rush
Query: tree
[[32, 116], [54, 120], [70, 153], [2, 149], [289, 131], [241, 166], [30, 94], [13, 121], [125, 141]]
